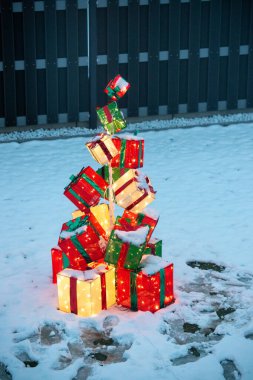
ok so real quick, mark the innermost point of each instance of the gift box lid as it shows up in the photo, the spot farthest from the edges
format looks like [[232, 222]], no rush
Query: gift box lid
[[87, 275], [127, 136], [136, 237], [151, 264]]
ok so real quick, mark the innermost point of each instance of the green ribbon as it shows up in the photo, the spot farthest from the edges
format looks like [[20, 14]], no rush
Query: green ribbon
[[133, 290], [93, 184], [140, 153], [73, 178], [65, 261], [122, 153], [78, 197], [162, 287], [76, 223], [113, 91], [140, 218], [80, 248]]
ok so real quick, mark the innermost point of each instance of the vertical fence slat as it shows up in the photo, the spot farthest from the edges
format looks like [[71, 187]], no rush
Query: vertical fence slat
[[112, 38], [193, 65], [174, 49], [72, 60], [153, 57], [250, 62], [214, 54], [92, 24], [234, 51], [51, 61], [30, 62], [8, 63], [133, 57]]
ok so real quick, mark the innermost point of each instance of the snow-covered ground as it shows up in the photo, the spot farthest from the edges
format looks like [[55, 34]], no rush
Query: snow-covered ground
[[204, 183], [179, 121]]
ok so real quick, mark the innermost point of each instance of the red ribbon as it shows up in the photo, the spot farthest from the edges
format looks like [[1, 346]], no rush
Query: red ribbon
[[126, 226], [108, 114], [104, 148], [123, 254], [73, 295], [103, 291], [126, 184], [137, 200]]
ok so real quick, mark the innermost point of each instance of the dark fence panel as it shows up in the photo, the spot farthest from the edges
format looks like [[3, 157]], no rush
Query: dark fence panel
[[179, 56], [8, 63]]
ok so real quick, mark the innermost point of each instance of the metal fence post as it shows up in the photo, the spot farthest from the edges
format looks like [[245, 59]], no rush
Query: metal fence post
[[92, 61]]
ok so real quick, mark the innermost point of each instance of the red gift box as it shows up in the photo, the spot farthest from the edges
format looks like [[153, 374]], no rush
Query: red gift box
[[131, 153], [86, 188], [139, 291], [81, 243], [59, 262], [117, 87], [139, 219]]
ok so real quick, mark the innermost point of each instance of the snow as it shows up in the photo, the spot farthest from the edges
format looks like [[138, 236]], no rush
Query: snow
[[142, 180], [127, 136], [80, 275], [151, 212], [67, 234], [204, 182], [89, 274], [137, 237], [152, 264], [176, 122]]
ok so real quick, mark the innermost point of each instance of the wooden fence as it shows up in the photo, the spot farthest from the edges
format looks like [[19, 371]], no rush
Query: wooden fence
[[56, 56]]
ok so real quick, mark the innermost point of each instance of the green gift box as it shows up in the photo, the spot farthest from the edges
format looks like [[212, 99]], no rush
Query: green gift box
[[111, 118], [126, 245], [154, 247]]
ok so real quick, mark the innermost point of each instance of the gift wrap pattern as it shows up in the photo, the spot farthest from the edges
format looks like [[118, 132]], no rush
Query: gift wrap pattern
[[102, 148], [86, 189], [133, 191], [139, 291], [111, 118], [117, 87], [131, 152], [83, 295], [81, 243]]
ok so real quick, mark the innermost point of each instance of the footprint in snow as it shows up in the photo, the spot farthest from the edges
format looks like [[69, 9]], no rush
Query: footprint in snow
[[230, 371], [4, 373], [192, 355]]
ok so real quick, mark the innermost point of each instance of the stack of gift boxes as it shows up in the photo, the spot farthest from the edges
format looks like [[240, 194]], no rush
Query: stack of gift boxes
[[99, 260]]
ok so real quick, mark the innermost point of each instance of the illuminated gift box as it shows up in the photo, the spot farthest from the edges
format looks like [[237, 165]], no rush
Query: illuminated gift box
[[111, 118], [126, 247], [116, 174], [99, 218], [86, 188], [102, 148], [86, 293], [81, 242], [154, 247], [59, 262], [133, 191], [131, 151], [146, 217], [77, 213], [148, 289], [117, 87]]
